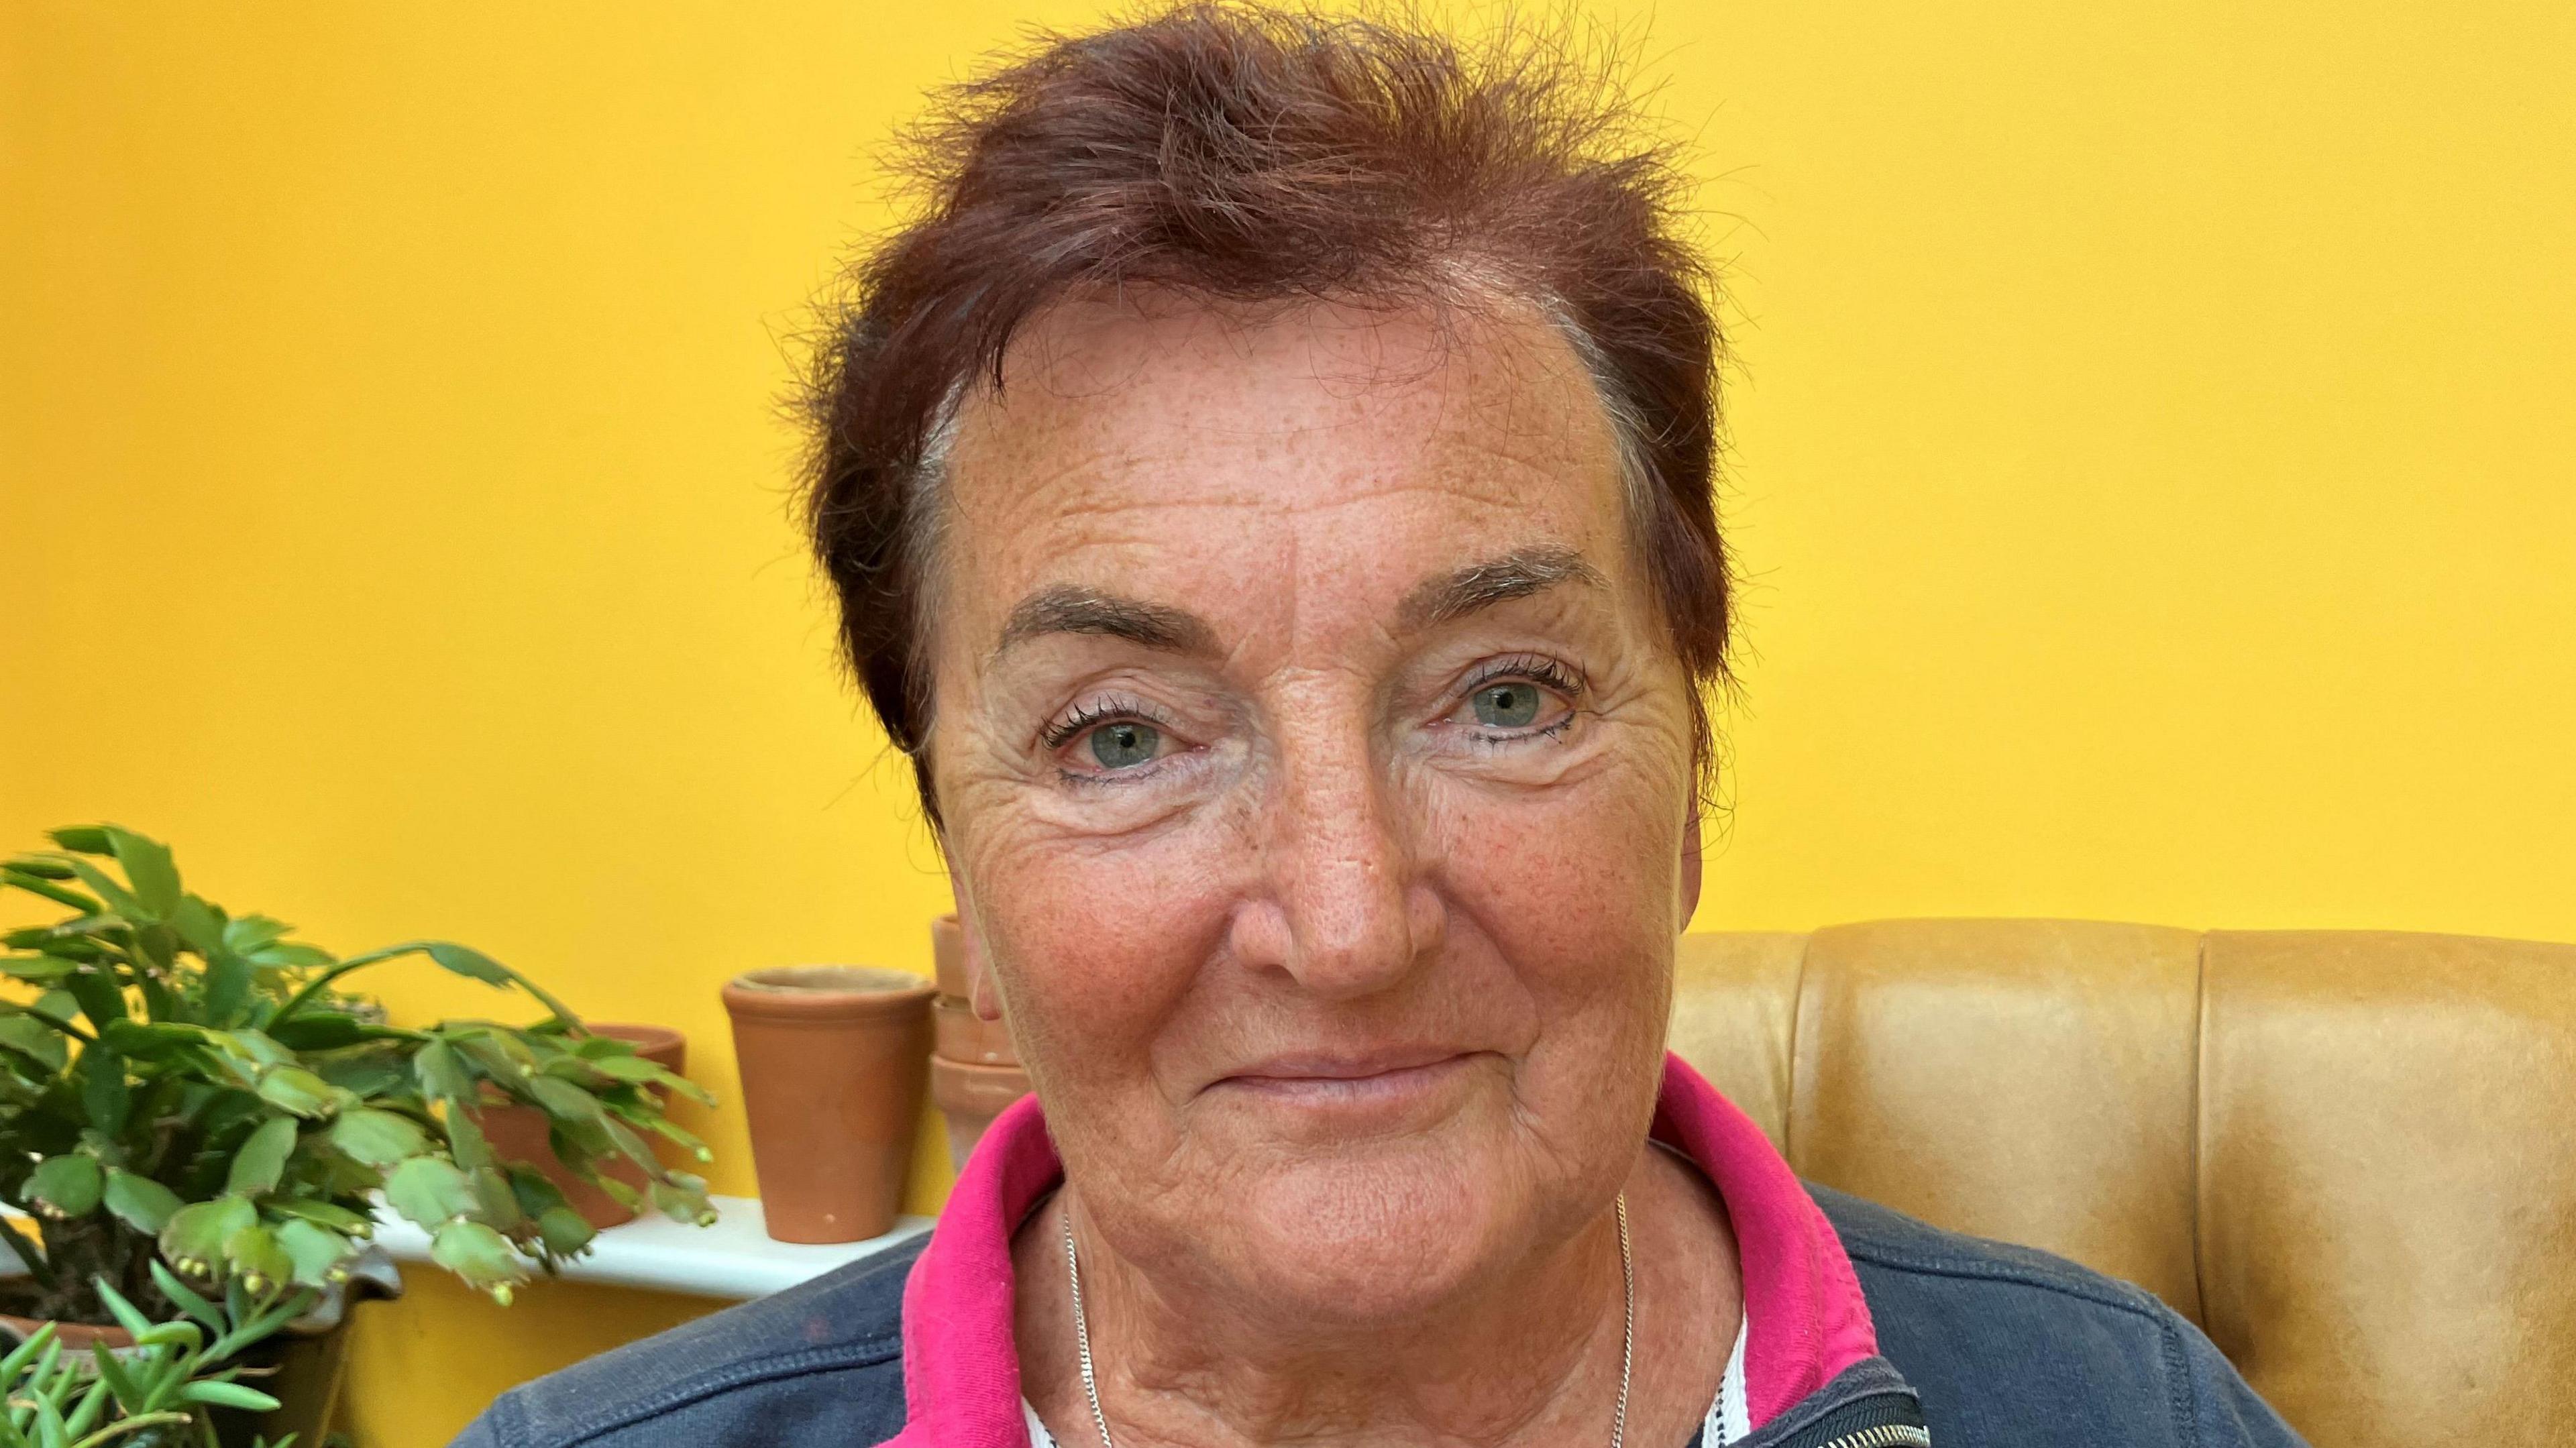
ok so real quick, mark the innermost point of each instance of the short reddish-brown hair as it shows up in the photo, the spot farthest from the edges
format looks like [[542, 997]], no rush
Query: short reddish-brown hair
[[1257, 154]]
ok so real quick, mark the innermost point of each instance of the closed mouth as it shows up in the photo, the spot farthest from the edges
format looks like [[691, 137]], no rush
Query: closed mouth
[[1349, 1078]]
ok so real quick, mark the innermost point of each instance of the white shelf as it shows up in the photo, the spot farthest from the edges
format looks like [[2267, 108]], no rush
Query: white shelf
[[735, 1258]]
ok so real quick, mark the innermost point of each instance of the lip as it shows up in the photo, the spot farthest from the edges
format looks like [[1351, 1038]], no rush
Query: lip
[[1324, 1068], [1347, 1096]]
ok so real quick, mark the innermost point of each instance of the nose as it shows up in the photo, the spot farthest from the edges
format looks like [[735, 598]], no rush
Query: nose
[[1347, 911]]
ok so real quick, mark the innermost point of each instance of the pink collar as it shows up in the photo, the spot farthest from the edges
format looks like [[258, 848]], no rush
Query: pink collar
[[961, 1372]]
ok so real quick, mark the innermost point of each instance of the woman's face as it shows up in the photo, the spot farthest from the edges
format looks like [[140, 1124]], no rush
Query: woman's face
[[1315, 781]]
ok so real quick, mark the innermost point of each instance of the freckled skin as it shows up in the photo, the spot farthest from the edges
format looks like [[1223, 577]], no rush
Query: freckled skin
[[1329, 849]]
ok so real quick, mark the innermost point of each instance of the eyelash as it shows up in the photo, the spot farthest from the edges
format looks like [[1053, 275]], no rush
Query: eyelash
[[1069, 728]]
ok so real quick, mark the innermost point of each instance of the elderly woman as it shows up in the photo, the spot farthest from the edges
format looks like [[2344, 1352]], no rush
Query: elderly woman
[[1268, 493]]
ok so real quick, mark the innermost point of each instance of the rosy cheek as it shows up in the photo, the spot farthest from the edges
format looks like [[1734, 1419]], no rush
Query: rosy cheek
[[1569, 886], [1098, 945]]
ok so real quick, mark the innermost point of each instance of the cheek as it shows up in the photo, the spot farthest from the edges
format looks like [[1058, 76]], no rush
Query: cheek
[[1575, 888], [1094, 945]]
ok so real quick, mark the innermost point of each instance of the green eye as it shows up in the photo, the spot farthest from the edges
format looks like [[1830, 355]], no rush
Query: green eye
[[1125, 745], [1510, 705]]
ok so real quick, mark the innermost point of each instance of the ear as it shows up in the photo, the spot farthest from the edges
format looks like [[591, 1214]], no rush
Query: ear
[[1690, 868]]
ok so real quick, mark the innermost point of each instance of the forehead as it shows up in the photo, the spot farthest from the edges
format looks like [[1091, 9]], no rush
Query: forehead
[[1165, 445]]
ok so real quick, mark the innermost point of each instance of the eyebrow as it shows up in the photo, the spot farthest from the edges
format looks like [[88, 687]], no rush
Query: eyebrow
[[1521, 573], [1065, 609]]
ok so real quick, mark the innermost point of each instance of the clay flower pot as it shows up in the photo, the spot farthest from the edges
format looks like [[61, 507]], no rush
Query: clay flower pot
[[832, 1063], [518, 1133], [76, 1337], [969, 1097], [958, 1034], [975, 1072], [948, 954]]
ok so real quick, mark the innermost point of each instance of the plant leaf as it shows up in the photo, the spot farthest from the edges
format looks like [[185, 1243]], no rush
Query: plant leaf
[[117, 897], [18, 1356], [321, 1031], [228, 982], [563, 1100], [466, 1142], [629, 1068], [93, 1406], [262, 1159], [469, 962], [478, 1254], [193, 1240], [35, 1040], [537, 1196], [378, 1138], [148, 866], [150, 1040], [101, 998], [255, 1254], [251, 932], [199, 924], [119, 1383], [139, 1201], [42, 969], [66, 1185], [186, 1299], [442, 1073], [324, 1214], [294, 1089], [430, 1191], [127, 1315], [228, 1395], [25, 879], [82, 839], [499, 1209], [315, 1250], [474, 964], [104, 1094]]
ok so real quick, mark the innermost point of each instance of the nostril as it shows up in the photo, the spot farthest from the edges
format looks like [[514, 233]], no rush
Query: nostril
[[1258, 936]]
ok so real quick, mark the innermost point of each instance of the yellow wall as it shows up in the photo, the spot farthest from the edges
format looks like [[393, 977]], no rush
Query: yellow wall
[[2152, 462]]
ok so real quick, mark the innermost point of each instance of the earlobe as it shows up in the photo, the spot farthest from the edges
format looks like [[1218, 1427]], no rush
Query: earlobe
[[1690, 869]]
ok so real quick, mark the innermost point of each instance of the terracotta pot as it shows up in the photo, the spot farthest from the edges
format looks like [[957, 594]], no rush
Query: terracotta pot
[[958, 1034], [75, 1337], [831, 1059], [518, 1133], [969, 1097], [948, 956]]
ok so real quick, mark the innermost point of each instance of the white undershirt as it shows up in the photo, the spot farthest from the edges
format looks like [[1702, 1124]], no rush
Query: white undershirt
[[1728, 1421]]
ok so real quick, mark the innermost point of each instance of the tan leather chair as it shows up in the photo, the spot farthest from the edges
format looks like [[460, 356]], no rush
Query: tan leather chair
[[2349, 1156]]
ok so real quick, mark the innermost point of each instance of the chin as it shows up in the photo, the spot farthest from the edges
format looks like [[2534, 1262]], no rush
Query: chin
[[1377, 1236]]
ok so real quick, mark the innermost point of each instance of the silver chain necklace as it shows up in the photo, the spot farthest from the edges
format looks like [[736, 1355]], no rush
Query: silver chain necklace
[[1627, 1329]]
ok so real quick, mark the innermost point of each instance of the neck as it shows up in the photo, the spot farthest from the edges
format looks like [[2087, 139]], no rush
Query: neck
[[1530, 1355]]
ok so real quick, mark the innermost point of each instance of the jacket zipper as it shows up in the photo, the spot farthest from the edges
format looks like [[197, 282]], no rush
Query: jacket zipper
[[1885, 1435], [1877, 1420]]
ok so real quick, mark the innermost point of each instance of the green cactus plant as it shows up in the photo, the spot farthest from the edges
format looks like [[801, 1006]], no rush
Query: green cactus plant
[[183, 1084], [157, 1393]]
